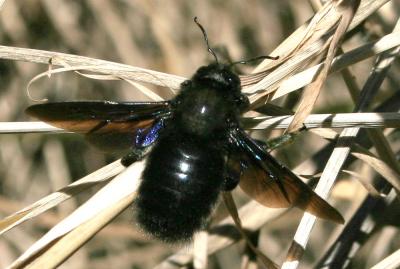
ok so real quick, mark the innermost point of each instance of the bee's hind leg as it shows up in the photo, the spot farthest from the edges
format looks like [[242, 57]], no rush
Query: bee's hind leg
[[135, 155]]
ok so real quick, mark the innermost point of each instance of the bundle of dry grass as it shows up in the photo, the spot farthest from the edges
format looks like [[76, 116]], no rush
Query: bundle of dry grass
[[336, 75]]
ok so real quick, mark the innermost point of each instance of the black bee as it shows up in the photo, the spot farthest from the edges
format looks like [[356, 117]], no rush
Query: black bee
[[197, 148]]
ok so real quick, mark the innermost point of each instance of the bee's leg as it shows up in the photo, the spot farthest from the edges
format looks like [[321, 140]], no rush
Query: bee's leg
[[279, 141], [233, 170], [283, 140], [135, 155], [231, 180]]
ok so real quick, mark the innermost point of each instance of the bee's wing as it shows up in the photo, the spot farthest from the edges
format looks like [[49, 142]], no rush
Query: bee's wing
[[110, 126], [273, 185]]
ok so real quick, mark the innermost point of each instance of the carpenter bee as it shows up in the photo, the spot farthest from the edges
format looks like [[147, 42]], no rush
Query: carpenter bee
[[196, 149]]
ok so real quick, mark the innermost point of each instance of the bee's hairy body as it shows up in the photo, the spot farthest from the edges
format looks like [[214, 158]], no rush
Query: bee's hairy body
[[185, 170]]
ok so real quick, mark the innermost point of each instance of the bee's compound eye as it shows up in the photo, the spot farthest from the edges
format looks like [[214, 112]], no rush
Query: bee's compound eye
[[243, 102]]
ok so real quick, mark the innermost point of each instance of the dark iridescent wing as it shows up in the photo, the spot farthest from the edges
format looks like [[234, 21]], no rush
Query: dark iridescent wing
[[274, 185], [110, 126]]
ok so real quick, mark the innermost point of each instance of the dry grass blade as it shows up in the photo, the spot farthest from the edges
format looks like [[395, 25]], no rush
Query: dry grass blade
[[294, 43], [349, 58], [348, 243], [76, 69], [382, 145], [340, 120], [328, 177], [64, 247], [336, 161], [28, 127], [94, 65], [200, 256], [368, 186], [359, 228], [67, 236], [149, 93], [311, 49], [230, 205], [327, 16], [379, 166], [348, 9], [390, 262], [52, 200]]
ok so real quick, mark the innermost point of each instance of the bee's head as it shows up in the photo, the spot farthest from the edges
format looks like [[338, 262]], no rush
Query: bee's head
[[219, 77], [210, 100]]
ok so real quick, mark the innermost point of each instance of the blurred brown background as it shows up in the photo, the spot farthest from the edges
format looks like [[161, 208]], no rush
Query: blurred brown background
[[158, 35]]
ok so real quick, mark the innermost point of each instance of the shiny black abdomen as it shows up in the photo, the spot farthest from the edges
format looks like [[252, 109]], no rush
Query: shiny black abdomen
[[181, 183]]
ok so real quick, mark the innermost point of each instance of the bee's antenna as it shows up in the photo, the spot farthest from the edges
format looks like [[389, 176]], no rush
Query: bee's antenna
[[255, 59], [206, 39]]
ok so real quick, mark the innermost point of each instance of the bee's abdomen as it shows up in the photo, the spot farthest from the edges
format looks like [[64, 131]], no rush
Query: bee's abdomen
[[180, 186]]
